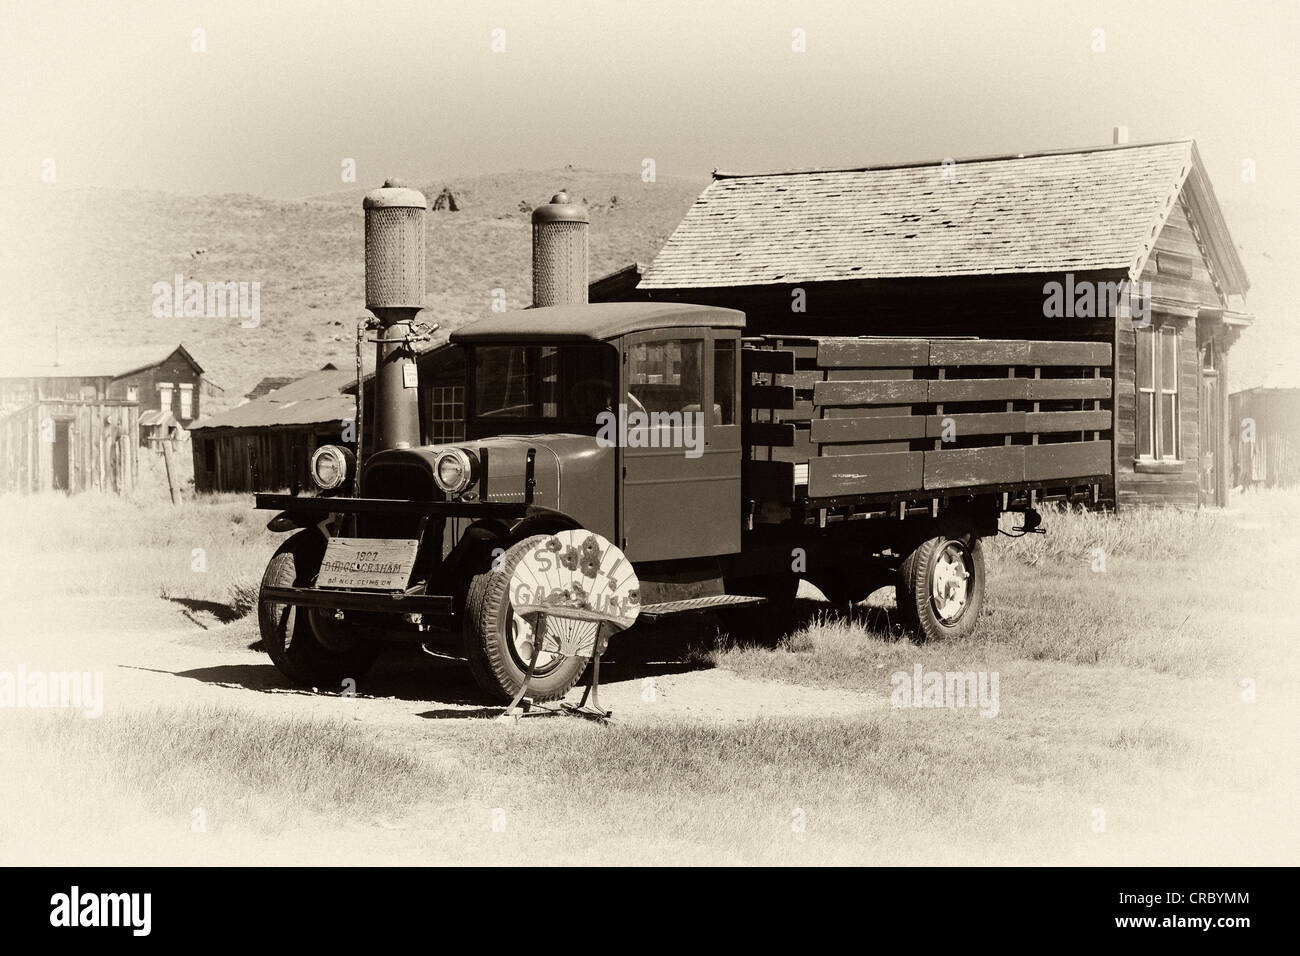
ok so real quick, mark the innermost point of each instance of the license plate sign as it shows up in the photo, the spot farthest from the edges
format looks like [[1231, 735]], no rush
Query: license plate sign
[[367, 564]]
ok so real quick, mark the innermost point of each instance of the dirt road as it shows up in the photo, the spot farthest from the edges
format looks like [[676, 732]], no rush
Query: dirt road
[[155, 652]]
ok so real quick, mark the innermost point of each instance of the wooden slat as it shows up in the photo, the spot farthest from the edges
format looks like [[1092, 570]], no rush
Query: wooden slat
[[769, 396], [980, 352], [768, 480], [1069, 353], [1046, 389], [802, 411], [873, 392], [830, 477], [801, 449], [768, 433], [1067, 421], [1076, 459], [869, 353], [775, 361], [802, 380], [989, 423], [963, 467], [891, 428], [978, 389]]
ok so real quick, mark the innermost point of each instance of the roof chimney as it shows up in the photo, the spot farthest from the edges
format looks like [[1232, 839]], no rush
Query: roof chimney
[[1120, 135]]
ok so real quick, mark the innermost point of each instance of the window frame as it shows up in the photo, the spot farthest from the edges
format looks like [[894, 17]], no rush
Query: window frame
[[1153, 427]]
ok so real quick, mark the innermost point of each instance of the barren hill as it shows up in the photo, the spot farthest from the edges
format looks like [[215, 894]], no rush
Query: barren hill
[[87, 259]]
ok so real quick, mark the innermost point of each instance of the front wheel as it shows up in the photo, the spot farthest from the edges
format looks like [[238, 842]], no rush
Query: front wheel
[[307, 645], [498, 642], [941, 588]]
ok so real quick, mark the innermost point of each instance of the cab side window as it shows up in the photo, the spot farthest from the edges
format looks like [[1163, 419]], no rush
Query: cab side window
[[724, 382], [666, 376]]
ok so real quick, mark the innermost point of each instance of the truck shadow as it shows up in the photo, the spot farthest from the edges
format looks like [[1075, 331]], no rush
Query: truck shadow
[[673, 646], [406, 673]]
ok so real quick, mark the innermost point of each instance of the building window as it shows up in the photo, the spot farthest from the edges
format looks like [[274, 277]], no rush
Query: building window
[[187, 402], [133, 393], [447, 413], [1157, 393], [165, 396]]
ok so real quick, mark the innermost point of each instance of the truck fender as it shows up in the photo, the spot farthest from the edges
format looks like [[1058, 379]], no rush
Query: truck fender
[[542, 521], [288, 520]]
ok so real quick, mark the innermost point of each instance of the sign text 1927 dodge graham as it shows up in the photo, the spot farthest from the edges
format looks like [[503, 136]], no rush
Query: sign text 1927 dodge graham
[[725, 467]]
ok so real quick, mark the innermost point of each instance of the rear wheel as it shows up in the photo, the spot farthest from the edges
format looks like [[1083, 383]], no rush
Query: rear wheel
[[307, 645], [498, 642], [941, 588]]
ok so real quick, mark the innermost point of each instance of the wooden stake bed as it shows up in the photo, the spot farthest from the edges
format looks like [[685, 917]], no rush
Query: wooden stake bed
[[839, 418]]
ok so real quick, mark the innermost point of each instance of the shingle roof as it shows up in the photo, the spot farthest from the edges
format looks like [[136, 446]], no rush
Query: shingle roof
[[311, 400], [1050, 212], [267, 385]]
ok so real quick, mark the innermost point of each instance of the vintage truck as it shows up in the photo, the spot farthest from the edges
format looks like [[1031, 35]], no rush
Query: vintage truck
[[726, 467]]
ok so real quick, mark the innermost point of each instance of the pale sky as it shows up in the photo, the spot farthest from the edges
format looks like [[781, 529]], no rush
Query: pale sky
[[285, 90]]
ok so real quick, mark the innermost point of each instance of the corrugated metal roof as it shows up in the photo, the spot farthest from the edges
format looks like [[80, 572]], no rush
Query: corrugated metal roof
[[1051, 212], [311, 400]]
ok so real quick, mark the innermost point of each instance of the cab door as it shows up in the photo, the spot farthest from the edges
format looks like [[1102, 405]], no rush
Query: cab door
[[680, 453]]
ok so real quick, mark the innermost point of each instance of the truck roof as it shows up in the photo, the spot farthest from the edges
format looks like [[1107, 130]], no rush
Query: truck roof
[[598, 322]]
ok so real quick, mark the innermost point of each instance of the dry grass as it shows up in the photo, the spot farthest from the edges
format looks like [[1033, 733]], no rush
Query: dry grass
[[1120, 691], [898, 787], [209, 548]]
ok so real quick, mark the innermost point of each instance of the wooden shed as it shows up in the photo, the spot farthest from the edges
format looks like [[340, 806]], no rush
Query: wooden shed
[[1265, 423], [70, 445], [266, 445], [1040, 246]]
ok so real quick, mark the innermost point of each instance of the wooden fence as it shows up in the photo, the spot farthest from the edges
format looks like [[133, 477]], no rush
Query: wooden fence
[[834, 418], [70, 445]]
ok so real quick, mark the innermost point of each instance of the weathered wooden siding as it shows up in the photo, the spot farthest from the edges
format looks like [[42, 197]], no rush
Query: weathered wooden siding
[[175, 369], [1272, 458], [223, 457], [27, 462], [1177, 268]]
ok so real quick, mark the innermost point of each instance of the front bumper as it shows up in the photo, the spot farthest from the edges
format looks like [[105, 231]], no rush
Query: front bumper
[[385, 602]]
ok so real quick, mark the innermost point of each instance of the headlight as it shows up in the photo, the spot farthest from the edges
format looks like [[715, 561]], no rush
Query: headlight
[[455, 470], [330, 466]]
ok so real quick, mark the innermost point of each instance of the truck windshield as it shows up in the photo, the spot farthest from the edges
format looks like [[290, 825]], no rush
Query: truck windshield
[[572, 383]]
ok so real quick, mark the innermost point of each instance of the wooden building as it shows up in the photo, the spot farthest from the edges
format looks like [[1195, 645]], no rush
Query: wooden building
[[169, 383], [266, 445], [70, 445], [1265, 425], [1040, 246]]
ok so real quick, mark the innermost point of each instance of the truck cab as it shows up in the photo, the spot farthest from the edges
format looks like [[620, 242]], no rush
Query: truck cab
[[634, 410]]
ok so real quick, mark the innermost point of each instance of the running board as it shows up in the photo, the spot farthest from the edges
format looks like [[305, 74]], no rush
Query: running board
[[651, 612]]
